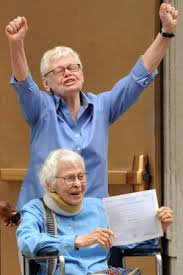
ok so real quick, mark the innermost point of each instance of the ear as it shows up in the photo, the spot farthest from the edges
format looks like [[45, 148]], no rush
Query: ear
[[50, 187], [82, 78], [46, 84]]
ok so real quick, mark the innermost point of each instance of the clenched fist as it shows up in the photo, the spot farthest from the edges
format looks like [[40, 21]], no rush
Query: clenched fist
[[16, 29], [169, 18]]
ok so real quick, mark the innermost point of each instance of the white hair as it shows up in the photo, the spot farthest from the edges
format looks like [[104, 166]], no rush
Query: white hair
[[55, 54], [55, 160]]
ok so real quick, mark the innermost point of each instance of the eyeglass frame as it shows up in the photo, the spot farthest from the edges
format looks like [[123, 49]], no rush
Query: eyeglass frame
[[53, 70], [70, 184]]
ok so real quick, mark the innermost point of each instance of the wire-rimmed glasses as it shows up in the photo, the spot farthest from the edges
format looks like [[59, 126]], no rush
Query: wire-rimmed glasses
[[60, 71], [71, 179]]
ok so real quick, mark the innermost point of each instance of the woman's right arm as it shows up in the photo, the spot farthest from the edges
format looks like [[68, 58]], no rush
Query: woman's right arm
[[15, 32], [102, 236]]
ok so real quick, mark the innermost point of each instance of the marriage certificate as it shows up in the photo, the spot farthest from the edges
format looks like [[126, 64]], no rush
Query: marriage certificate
[[132, 217]]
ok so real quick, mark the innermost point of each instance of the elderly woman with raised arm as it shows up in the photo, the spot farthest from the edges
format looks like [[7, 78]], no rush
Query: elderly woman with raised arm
[[67, 117]]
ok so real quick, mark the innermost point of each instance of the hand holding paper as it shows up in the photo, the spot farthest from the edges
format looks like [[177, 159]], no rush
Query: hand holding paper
[[133, 217], [165, 215]]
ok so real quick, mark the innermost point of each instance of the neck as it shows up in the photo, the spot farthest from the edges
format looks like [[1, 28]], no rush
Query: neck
[[63, 205], [73, 104]]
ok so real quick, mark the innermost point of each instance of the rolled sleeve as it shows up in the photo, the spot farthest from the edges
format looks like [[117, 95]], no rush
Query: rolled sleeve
[[141, 75], [23, 86], [31, 99], [67, 244]]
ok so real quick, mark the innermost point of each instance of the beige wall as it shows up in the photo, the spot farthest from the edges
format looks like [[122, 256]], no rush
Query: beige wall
[[110, 36]]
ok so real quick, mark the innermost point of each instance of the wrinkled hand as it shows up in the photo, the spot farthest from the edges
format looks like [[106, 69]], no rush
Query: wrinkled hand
[[6, 212], [16, 29], [102, 236], [169, 18], [165, 215]]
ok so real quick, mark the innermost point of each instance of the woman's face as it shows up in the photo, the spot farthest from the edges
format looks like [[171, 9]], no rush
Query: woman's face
[[69, 83], [71, 183]]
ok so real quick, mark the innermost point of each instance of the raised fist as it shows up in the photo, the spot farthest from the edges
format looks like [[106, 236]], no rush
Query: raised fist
[[16, 29]]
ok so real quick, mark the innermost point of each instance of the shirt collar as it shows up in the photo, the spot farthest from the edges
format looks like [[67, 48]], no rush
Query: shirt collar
[[85, 99], [60, 102], [57, 100]]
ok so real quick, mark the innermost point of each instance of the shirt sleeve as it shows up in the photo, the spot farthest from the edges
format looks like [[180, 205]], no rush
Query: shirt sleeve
[[31, 99], [149, 244], [127, 90], [32, 236]]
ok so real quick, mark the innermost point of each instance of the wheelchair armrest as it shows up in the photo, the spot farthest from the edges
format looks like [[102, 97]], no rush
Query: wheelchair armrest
[[140, 251], [152, 251], [45, 253], [15, 218], [117, 255]]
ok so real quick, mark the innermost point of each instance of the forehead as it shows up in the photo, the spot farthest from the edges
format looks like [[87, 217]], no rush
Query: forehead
[[70, 168], [63, 61]]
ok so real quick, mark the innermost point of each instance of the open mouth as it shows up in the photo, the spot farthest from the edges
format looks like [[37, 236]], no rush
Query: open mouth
[[76, 194], [69, 81]]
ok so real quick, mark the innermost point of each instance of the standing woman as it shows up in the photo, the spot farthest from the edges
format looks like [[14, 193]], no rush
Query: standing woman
[[65, 116]]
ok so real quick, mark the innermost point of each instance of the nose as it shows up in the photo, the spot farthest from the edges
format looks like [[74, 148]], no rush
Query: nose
[[66, 72], [77, 181]]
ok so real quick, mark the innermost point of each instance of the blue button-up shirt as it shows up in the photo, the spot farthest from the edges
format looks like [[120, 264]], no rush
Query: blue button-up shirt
[[32, 236], [52, 127]]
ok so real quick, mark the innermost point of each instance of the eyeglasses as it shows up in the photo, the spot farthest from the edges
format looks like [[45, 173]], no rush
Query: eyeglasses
[[70, 179], [60, 71]]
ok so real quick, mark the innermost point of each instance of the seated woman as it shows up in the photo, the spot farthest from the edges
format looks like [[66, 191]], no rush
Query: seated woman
[[82, 236]]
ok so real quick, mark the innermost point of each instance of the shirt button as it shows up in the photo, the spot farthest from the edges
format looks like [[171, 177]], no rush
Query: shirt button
[[76, 135], [78, 149], [146, 82], [69, 227]]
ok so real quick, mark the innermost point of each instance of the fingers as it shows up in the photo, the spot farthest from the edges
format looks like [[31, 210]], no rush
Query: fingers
[[108, 231], [101, 236], [104, 237], [167, 10], [15, 25], [169, 17], [173, 13], [165, 215], [19, 23], [167, 7], [6, 210], [6, 222]]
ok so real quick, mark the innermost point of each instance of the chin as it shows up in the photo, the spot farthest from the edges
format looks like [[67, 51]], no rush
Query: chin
[[76, 201]]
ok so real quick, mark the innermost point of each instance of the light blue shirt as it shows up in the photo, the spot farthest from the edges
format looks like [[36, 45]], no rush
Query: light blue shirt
[[52, 127], [31, 236]]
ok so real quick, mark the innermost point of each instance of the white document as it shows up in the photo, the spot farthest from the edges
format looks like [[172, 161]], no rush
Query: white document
[[132, 217]]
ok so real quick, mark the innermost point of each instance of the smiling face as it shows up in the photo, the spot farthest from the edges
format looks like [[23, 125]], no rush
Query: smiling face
[[71, 192], [67, 85]]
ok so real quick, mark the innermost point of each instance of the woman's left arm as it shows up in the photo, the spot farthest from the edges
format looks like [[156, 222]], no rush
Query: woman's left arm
[[157, 50]]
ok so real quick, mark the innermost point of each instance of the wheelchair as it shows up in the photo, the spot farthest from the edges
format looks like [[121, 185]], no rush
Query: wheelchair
[[118, 256], [30, 267]]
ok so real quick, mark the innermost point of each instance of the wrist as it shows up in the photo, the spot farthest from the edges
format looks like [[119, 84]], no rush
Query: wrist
[[166, 34], [77, 243]]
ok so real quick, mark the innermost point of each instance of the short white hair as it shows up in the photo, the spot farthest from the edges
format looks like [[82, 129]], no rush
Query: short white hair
[[55, 160], [55, 54]]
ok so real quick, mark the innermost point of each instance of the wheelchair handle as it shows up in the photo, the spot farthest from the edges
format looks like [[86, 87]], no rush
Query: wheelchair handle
[[15, 218]]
